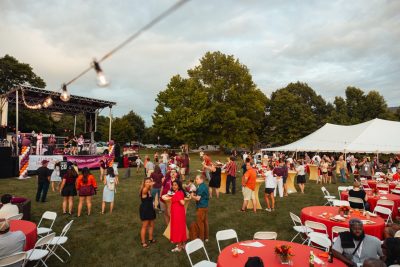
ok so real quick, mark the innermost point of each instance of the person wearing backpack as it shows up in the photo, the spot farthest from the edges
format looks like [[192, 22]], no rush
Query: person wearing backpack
[[110, 182], [86, 186]]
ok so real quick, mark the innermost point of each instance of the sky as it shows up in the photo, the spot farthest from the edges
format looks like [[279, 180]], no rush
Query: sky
[[328, 44]]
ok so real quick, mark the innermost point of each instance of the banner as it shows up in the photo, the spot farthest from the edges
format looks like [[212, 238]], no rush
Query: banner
[[90, 162]]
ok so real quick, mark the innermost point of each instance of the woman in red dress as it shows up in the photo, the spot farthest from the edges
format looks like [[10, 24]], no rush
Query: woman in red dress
[[178, 217]]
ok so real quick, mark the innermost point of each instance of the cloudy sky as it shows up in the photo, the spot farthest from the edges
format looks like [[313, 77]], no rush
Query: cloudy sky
[[327, 44]]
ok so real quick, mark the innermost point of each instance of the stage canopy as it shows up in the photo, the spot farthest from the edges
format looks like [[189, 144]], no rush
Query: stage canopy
[[374, 136]]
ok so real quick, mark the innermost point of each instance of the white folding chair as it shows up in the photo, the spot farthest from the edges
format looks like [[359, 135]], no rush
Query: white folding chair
[[320, 240], [339, 203], [299, 227], [265, 235], [48, 215], [327, 196], [338, 229], [16, 217], [396, 190], [356, 200], [193, 246], [225, 235], [386, 203], [18, 257], [318, 228], [341, 189], [383, 187], [385, 211], [41, 250], [59, 241]]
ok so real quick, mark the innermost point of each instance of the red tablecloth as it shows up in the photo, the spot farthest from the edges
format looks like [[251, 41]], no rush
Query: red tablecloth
[[313, 214], [372, 200], [28, 228], [372, 184], [266, 253]]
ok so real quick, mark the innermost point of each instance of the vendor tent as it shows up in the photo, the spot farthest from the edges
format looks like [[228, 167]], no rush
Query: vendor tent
[[374, 136]]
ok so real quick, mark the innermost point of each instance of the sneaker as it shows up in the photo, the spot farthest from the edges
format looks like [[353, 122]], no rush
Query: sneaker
[[269, 210]]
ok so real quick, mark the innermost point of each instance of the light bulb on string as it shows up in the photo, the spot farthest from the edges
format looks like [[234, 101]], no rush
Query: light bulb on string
[[47, 102], [101, 78], [65, 95]]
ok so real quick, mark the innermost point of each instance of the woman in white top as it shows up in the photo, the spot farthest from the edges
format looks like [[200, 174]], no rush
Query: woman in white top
[[56, 177], [301, 176], [270, 184]]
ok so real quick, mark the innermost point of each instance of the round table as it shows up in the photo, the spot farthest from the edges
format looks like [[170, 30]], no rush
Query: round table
[[259, 181], [28, 228], [314, 213], [290, 182], [266, 253], [372, 200], [372, 184], [167, 199]]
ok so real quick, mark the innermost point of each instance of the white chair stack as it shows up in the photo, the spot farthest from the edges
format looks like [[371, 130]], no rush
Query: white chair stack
[[195, 245], [299, 227], [265, 235], [41, 250], [50, 216], [226, 235], [18, 257]]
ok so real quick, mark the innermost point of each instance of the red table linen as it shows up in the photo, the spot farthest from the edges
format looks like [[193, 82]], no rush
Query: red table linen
[[28, 228]]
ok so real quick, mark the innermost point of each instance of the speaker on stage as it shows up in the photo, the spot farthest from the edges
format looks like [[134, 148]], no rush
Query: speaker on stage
[[5, 152], [9, 167]]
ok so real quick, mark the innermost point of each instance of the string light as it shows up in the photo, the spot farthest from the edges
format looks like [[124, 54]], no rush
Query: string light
[[37, 106], [48, 102], [101, 78], [65, 95]]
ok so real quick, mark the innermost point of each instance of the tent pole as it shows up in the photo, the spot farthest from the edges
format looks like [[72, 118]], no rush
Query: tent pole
[[74, 125], [16, 120], [109, 129], [95, 121]]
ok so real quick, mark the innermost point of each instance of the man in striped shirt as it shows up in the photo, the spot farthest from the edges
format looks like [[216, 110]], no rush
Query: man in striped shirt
[[231, 175]]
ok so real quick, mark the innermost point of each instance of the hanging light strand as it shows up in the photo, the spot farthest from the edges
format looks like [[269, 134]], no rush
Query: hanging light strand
[[153, 22], [37, 106]]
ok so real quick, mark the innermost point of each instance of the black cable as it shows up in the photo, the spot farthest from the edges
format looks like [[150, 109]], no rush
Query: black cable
[[153, 22]]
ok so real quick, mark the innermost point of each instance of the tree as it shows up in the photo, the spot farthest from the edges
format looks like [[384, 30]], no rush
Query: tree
[[122, 131], [218, 104], [137, 124]]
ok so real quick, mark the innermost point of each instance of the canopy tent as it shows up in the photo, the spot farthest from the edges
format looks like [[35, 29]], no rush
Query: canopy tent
[[374, 136]]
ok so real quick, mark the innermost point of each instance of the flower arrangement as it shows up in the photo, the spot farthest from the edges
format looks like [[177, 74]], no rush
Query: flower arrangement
[[344, 209], [284, 251]]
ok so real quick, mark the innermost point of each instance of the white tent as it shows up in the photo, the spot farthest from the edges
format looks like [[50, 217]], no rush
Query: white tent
[[374, 136]]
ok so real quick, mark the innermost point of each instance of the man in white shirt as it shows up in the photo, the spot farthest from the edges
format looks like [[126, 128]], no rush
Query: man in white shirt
[[245, 156], [10, 242], [8, 210]]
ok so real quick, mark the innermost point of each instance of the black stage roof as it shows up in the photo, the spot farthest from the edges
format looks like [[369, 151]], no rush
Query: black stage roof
[[76, 104]]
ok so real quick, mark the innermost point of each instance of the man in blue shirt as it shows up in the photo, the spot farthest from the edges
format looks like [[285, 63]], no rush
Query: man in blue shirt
[[200, 228]]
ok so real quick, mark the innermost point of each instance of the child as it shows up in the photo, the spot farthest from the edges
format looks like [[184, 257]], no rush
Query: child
[[190, 187], [270, 184], [55, 177]]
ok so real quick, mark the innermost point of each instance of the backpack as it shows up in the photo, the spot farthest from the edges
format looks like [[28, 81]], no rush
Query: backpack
[[111, 184]]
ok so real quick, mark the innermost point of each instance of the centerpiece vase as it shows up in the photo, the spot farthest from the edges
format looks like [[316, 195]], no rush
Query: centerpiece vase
[[285, 259]]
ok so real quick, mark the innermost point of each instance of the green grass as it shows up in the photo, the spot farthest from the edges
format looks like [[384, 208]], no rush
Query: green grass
[[113, 240]]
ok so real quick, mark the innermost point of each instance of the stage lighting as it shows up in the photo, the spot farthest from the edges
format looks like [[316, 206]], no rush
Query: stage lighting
[[65, 95], [47, 102], [101, 78]]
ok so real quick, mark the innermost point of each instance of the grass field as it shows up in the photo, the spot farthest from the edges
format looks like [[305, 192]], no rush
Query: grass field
[[113, 240]]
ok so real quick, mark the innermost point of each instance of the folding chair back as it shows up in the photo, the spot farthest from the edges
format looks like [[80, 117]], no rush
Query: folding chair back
[[341, 189], [338, 229], [66, 228], [383, 187], [385, 211], [320, 240], [225, 235], [317, 227], [339, 203], [296, 220], [265, 235], [48, 215], [356, 200], [386, 203], [397, 234], [193, 246], [12, 259], [16, 217], [43, 241]]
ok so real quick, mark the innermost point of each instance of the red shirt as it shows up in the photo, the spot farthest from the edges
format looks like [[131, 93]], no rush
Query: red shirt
[[396, 176], [231, 169]]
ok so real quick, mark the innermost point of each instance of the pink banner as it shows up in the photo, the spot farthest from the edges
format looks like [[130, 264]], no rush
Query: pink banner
[[90, 162]]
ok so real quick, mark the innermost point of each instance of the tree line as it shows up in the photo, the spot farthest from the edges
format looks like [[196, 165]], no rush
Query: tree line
[[218, 103]]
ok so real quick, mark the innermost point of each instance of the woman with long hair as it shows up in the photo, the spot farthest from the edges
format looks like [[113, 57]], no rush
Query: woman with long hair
[[215, 182], [103, 168], [110, 183], [68, 190], [178, 217], [147, 212], [156, 178], [55, 177], [170, 177], [86, 186]]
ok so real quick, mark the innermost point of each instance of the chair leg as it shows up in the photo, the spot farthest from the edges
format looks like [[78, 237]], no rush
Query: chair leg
[[69, 254], [294, 237]]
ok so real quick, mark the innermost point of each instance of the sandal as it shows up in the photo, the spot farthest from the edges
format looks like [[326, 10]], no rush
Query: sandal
[[145, 245], [152, 241]]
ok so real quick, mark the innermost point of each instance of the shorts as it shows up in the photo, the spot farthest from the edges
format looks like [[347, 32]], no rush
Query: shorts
[[301, 179], [248, 193], [269, 190], [324, 172], [284, 180]]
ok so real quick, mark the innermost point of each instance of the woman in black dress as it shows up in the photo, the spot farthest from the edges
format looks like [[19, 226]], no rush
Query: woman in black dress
[[68, 189], [215, 181], [147, 212]]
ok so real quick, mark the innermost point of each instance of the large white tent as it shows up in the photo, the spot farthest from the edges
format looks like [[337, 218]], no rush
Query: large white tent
[[374, 136]]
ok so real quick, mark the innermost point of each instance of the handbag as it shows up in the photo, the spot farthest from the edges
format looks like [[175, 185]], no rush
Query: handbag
[[86, 190]]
